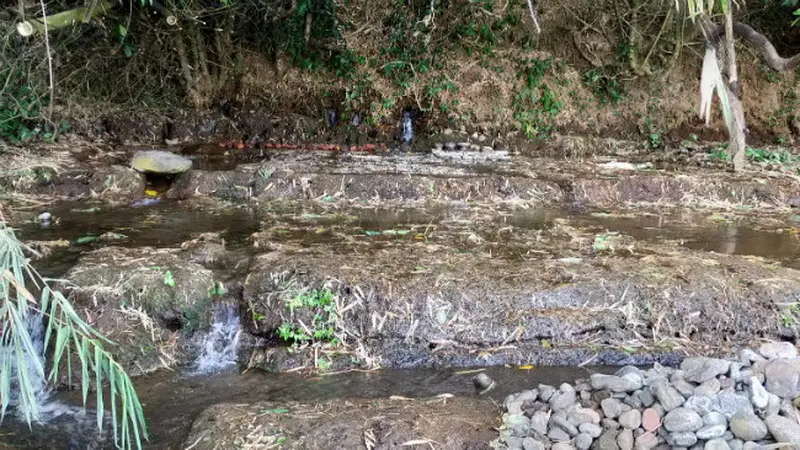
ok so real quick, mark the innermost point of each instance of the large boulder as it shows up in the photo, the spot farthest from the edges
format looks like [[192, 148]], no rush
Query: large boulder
[[160, 162]]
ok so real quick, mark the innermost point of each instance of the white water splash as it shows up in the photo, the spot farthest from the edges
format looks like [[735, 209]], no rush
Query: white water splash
[[219, 347], [407, 128], [48, 408]]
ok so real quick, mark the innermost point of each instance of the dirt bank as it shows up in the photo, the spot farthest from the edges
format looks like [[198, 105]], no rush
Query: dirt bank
[[451, 423]]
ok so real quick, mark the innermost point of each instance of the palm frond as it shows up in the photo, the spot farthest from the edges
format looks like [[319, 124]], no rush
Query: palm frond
[[22, 371]]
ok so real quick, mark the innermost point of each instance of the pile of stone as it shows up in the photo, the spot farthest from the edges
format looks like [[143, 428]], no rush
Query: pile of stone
[[707, 403]]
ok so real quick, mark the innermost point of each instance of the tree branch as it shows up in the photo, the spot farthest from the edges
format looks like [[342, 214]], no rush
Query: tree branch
[[759, 41]]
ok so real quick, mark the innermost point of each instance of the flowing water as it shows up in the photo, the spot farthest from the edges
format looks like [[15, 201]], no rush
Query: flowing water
[[220, 345], [172, 399]]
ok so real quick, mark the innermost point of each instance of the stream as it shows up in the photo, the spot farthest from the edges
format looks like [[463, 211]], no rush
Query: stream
[[172, 400]]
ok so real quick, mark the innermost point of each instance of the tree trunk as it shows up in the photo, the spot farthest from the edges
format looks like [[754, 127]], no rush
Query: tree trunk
[[737, 144]]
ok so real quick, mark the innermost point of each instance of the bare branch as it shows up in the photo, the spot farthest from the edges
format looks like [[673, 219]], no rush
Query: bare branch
[[533, 16], [760, 42]]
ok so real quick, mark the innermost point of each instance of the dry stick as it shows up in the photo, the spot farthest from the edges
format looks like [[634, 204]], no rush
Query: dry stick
[[50, 68]]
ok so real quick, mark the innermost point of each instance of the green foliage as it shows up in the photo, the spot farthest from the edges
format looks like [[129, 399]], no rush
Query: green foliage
[[69, 337], [21, 107], [790, 314], [648, 128], [218, 289], [535, 104], [607, 89], [321, 307], [769, 156]]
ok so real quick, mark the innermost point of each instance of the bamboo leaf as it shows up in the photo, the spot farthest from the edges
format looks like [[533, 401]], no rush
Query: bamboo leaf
[[113, 390], [99, 380]]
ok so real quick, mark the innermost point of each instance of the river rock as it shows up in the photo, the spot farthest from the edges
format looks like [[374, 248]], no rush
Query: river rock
[[612, 408], [160, 162], [716, 444], [545, 392], [735, 372], [515, 402], [614, 383], [562, 446], [752, 446], [747, 426], [517, 424], [558, 435], [701, 405], [564, 424], [668, 396], [758, 395], [625, 439], [630, 419], [699, 370], [583, 441], [651, 420], [607, 441], [578, 416], [591, 429], [783, 429], [773, 405], [775, 350], [681, 420], [646, 441], [748, 357], [783, 377], [514, 442], [715, 418], [530, 443], [646, 397], [709, 388], [563, 398], [681, 439], [711, 431], [539, 422], [731, 402]]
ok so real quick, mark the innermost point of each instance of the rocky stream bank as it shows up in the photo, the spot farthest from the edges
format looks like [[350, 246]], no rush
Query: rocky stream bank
[[713, 404]]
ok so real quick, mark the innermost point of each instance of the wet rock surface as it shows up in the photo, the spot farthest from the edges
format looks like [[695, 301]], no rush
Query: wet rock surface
[[160, 162], [712, 419]]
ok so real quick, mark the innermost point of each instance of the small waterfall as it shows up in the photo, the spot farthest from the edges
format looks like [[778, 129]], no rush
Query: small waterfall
[[219, 347], [49, 409], [407, 133]]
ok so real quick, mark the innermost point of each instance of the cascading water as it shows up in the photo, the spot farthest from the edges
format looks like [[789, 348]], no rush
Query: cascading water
[[220, 345], [407, 133], [54, 416]]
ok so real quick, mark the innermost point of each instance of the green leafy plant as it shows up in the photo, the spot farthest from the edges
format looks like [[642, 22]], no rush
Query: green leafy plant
[[770, 156], [648, 128], [68, 336], [535, 104], [218, 289], [168, 279], [321, 306], [607, 89]]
